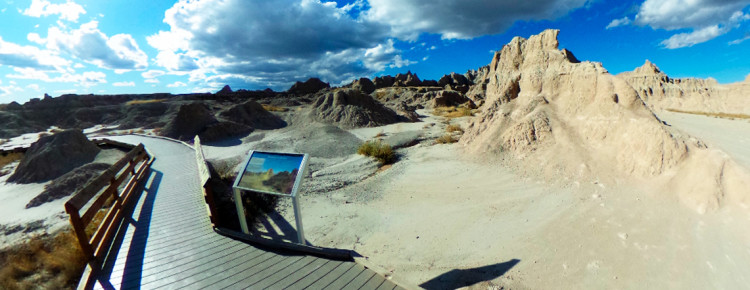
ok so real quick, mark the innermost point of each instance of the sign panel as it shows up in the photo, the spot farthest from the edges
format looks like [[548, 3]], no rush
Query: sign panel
[[271, 172]]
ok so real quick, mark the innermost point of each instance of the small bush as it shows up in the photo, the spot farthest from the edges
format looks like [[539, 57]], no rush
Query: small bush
[[381, 151], [446, 139]]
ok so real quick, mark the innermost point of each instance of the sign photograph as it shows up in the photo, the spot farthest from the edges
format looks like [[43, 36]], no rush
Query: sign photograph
[[271, 172]]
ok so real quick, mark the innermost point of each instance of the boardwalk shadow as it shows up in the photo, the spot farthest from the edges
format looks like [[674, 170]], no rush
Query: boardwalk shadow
[[137, 246], [458, 278]]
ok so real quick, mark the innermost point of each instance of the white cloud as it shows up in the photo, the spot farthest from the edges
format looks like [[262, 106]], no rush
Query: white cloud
[[151, 81], [740, 40], [68, 11], [9, 90], [678, 14], [35, 38], [124, 84], [35, 87], [150, 74], [12, 54], [234, 43], [451, 19], [707, 19], [399, 62], [89, 44], [176, 85], [618, 22], [86, 79], [692, 38]]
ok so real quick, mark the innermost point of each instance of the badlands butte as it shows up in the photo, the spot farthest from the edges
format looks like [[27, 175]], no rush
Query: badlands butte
[[536, 171]]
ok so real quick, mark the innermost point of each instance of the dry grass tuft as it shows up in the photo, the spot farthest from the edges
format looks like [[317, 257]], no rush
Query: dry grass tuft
[[138, 102], [446, 139], [454, 128], [9, 158], [381, 151], [710, 114], [272, 108], [379, 135], [453, 112], [43, 262]]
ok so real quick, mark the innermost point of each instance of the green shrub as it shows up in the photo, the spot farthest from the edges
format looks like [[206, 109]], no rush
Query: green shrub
[[381, 151]]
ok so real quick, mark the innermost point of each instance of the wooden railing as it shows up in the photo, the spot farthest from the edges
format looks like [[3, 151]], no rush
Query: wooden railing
[[103, 190], [205, 176]]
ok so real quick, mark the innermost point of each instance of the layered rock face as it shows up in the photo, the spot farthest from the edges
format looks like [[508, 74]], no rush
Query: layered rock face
[[349, 108], [576, 119], [660, 91]]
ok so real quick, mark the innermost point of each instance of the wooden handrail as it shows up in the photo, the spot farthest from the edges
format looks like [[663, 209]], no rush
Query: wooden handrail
[[205, 175], [134, 168]]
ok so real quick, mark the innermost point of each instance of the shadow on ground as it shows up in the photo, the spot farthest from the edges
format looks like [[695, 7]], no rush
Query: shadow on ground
[[458, 278]]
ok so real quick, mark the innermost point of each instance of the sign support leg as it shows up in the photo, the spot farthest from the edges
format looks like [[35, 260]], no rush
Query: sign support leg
[[298, 219], [240, 210]]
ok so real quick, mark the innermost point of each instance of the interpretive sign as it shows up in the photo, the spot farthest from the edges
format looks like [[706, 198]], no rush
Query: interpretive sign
[[271, 173]]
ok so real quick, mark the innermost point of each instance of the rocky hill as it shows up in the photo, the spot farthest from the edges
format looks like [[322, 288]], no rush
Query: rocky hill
[[688, 94], [575, 120]]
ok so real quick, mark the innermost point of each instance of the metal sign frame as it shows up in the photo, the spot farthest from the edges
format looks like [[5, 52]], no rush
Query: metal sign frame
[[237, 189]]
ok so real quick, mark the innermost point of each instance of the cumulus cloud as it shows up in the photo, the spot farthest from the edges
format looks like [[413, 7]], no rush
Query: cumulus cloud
[[176, 85], [692, 38], [618, 22], [707, 19], [86, 79], [124, 84], [68, 11], [452, 19], [25, 56], [89, 44], [150, 74], [244, 42]]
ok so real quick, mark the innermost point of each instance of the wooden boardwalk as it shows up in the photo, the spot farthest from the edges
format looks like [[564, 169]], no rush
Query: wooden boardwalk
[[169, 243]]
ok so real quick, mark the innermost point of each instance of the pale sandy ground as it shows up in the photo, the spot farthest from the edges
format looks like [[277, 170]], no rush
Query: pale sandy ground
[[46, 218], [436, 211]]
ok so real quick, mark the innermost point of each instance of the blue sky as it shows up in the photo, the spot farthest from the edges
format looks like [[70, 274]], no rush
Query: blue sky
[[110, 47]]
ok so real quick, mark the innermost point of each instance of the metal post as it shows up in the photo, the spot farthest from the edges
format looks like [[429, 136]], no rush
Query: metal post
[[240, 210], [298, 219]]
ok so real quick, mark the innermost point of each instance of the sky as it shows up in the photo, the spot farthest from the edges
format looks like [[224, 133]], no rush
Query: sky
[[145, 46]]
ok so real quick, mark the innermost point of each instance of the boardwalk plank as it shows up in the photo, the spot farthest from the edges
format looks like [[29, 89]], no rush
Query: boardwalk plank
[[388, 285], [304, 273], [290, 272], [344, 279], [359, 280], [374, 282], [326, 278], [316, 275], [170, 242], [233, 269]]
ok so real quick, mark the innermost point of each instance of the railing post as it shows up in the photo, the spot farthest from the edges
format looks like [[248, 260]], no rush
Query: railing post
[[80, 231]]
